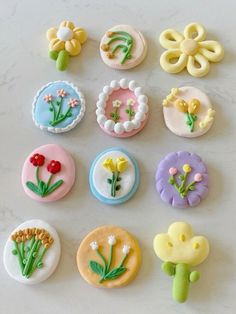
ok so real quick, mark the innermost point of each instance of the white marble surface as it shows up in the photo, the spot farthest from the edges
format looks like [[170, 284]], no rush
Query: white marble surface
[[25, 67]]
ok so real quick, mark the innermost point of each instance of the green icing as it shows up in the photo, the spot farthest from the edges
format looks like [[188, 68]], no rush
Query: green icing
[[130, 112], [182, 278], [126, 47], [113, 181], [55, 108], [190, 120], [62, 60], [115, 115]]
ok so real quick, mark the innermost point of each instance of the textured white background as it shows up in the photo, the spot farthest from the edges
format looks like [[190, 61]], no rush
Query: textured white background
[[25, 67]]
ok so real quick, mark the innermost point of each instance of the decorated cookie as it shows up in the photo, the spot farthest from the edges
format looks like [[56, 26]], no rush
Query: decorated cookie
[[109, 257], [65, 41], [188, 112], [182, 179], [32, 252], [179, 249], [189, 50], [122, 108], [114, 176], [48, 173], [58, 107], [123, 47]]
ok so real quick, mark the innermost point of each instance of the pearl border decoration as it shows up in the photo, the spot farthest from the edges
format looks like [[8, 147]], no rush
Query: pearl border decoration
[[73, 123], [127, 126]]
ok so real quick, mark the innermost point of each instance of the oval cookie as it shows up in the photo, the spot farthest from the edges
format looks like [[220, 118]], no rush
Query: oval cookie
[[182, 179], [48, 173], [58, 107], [114, 176], [122, 108], [122, 47], [188, 112], [109, 257], [32, 252]]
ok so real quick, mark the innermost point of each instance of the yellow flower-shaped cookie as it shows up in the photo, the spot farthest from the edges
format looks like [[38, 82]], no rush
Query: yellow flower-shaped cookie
[[189, 50], [179, 245], [65, 41]]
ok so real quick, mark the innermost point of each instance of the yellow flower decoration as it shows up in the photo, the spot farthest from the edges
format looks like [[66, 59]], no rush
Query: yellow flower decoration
[[121, 164], [189, 50], [179, 245], [187, 168], [109, 165], [65, 41]]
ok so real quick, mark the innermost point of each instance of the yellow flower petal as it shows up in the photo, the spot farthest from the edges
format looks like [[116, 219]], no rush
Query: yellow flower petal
[[212, 50], [181, 105], [67, 24], [167, 61], [80, 34], [194, 106], [73, 47], [198, 65], [171, 39], [187, 168], [51, 33], [109, 165], [121, 164], [195, 31], [56, 45]]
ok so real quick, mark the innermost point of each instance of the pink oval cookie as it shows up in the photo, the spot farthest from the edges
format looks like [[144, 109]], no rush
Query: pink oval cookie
[[122, 108], [123, 47], [48, 173]]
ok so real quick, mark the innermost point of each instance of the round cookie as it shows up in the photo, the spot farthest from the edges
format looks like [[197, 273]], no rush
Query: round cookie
[[188, 112], [48, 173], [58, 107], [182, 179], [122, 108], [32, 252], [114, 176], [109, 257], [122, 47]]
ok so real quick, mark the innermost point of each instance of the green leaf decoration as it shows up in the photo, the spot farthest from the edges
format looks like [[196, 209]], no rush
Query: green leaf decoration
[[53, 55], [109, 181], [168, 268], [54, 186], [50, 109], [42, 187], [119, 179], [40, 265], [62, 60], [112, 114], [118, 187], [171, 181], [115, 273], [69, 114], [14, 252], [192, 188], [127, 110], [33, 187], [181, 177], [96, 267]]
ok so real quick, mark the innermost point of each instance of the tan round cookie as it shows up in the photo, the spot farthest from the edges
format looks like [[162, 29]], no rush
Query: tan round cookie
[[100, 236]]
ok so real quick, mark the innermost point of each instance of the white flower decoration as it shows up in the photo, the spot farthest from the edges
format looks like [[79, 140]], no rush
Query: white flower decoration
[[111, 240], [94, 245], [130, 102], [126, 249], [116, 103]]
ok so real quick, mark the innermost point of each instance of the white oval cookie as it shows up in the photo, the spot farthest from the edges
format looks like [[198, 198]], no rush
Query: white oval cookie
[[122, 47], [188, 112]]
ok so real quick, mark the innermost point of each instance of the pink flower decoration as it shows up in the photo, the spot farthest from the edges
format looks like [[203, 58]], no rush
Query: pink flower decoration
[[47, 98], [172, 171], [73, 102], [61, 93], [198, 177]]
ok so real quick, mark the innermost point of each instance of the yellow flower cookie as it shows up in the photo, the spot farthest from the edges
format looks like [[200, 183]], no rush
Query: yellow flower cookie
[[189, 50], [109, 257]]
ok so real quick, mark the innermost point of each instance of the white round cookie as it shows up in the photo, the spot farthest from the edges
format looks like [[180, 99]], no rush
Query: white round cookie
[[175, 120], [50, 260]]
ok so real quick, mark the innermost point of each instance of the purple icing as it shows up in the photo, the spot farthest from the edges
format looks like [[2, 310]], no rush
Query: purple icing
[[168, 192]]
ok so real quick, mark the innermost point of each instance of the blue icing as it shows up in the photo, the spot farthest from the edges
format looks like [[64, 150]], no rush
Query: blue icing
[[43, 115]]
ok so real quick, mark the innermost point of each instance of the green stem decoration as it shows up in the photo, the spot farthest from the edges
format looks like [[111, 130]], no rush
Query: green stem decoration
[[16, 251], [115, 115], [130, 112], [57, 116], [182, 278], [183, 188], [114, 183], [61, 58], [190, 120], [110, 258], [126, 47]]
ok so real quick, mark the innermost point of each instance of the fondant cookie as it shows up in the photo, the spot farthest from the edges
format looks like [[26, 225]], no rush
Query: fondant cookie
[[58, 107], [48, 173], [189, 50], [114, 176], [179, 249], [182, 179], [122, 108], [109, 257], [32, 252], [65, 41], [123, 47], [188, 112]]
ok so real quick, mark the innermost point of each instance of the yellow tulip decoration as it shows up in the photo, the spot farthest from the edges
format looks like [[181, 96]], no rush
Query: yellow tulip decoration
[[190, 109], [116, 168]]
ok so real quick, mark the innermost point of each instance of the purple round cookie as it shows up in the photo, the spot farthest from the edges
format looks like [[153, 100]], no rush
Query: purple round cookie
[[182, 179]]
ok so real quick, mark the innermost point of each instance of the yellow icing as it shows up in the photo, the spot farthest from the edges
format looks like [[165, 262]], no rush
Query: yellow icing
[[189, 50], [179, 245]]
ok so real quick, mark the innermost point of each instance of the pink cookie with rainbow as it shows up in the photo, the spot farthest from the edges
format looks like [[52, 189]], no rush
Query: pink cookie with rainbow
[[48, 173], [122, 108]]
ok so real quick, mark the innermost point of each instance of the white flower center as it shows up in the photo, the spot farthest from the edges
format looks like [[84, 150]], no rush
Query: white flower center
[[64, 33]]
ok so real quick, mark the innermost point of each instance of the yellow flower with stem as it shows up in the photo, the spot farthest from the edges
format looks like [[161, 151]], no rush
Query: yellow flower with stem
[[187, 168], [190, 109], [117, 167], [65, 41]]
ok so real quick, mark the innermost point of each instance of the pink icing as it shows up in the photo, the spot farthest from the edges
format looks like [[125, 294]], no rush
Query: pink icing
[[67, 172]]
